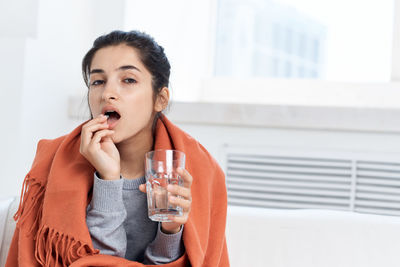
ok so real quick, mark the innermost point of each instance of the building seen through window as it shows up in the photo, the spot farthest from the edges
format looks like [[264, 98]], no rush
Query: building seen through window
[[332, 40], [261, 38]]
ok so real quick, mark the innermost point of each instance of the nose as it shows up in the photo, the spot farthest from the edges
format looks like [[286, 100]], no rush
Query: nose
[[110, 92]]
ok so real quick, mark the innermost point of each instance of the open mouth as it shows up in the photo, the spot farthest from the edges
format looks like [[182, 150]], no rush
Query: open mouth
[[112, 118]]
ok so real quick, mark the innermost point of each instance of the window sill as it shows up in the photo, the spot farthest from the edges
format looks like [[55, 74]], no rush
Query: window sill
[[273, 103], [287, 116]]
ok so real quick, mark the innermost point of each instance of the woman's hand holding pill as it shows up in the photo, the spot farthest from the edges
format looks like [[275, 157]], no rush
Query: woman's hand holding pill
[[99, 149]]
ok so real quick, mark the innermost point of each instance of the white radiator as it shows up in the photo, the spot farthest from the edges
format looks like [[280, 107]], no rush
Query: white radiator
[[316, 180]]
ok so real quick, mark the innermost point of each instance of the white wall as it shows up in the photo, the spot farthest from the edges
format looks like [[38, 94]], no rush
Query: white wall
[[12, 55], [10, 94], [185, 29], [218, 139], [40, 70], [355, 132], [43, 43]]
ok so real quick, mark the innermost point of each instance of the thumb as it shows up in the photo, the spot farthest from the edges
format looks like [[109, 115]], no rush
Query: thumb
[[142, 188], [107, 139]]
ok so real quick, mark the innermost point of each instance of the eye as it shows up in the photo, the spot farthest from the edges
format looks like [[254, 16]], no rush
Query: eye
[[97, 82], [130, 80]]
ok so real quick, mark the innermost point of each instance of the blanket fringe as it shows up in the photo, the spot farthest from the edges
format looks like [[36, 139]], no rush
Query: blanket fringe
[[54, 248], [31, 202]]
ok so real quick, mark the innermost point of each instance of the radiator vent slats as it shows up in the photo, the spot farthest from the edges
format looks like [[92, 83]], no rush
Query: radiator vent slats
[[293, 169], [286, 182], [378, 187], [283, 176], [309, 182]]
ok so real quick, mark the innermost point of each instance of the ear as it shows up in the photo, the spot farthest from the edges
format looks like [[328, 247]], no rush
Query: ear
[[162, 100]]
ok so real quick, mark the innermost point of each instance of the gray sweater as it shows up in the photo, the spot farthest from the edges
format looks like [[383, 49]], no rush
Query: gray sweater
[[119, 224]]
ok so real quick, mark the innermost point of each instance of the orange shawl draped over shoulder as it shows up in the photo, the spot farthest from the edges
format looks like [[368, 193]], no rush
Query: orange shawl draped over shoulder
[[51, 220]]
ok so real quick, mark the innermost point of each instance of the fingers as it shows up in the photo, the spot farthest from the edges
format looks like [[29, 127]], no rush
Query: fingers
[[181, 195], [185, 204], [98, 119], [179, 219], [179, 190], [88, 136], [101, 119], [89, 128], [142, 188], [100, 134], [187, 178]]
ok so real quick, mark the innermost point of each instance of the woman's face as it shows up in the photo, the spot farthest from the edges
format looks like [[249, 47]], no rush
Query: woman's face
[[120, 82]]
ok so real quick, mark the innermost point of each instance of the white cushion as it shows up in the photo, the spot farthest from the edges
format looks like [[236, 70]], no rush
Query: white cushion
[[311, 238], [8, 226], [4, 206]]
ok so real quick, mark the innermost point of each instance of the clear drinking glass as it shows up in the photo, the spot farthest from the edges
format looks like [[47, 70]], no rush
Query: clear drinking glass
[[161, 166]]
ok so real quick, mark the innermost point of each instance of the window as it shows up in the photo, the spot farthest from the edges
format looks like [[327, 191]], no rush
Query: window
[[334, 40], [282, 52], [337, 55]]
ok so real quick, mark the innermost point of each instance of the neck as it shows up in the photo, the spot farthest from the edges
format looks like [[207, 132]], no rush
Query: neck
[[132, 152]]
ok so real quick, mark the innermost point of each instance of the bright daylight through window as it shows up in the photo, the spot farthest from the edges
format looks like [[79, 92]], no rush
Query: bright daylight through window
[[334, 40]]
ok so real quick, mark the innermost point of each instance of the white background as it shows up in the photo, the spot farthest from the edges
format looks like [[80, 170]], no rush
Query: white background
[[42, 43]]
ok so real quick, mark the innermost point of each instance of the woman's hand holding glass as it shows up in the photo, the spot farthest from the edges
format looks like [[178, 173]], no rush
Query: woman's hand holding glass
[[181, 196]]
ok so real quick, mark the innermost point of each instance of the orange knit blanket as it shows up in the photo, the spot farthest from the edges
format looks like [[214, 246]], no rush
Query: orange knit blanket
[[51, 219]]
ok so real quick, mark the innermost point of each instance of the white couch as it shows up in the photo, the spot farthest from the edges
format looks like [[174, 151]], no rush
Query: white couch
[[288, 238], [8, 207], [311, 238]]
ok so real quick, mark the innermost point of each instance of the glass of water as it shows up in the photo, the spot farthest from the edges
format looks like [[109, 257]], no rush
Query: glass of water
[[160, 168]]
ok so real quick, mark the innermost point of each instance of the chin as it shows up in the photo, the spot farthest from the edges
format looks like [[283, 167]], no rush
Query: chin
[[115, 138]]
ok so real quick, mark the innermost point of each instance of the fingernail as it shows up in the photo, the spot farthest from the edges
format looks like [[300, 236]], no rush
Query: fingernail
[[170, 187]]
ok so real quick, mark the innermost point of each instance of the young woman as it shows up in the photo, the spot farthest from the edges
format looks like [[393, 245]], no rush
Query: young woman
[[83, 201]]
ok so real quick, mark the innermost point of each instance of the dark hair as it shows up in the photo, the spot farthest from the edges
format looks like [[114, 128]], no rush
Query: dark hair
[[150, 53]]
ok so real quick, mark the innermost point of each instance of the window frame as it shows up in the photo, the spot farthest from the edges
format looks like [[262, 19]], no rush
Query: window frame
[[214, 88]]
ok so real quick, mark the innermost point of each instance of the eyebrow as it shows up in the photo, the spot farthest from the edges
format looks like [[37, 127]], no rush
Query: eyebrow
[[125, 67]]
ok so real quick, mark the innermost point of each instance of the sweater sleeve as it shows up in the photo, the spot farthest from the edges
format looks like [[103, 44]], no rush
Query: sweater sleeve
[[105, 217], [165, 248]]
